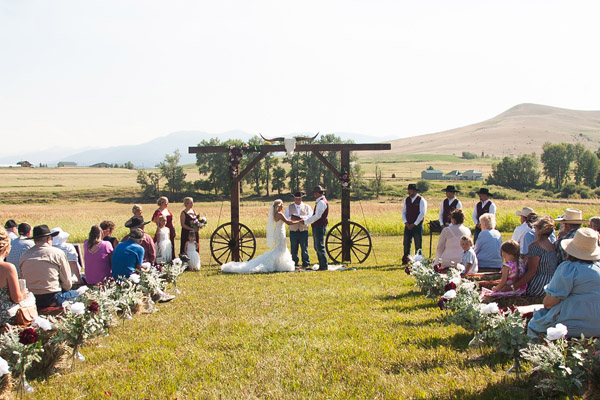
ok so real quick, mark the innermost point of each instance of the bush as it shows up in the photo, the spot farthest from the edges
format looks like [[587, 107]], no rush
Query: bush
[[423, 186], [468, 156], [548, 193], [585, 193], [568, 190], [597, 192]]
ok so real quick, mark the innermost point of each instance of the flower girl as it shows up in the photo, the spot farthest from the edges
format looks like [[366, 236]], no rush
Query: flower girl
[[161, 238], [191, 250]]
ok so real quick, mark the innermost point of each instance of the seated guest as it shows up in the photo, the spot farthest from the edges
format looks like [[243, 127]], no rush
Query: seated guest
[[10, 292], [524, 227], [570, 222], [488, 250], [20, 245], [573, 294], [47, 270], [108, 228], [530, 236], [448, 250], [11, 228], [595, 223], [136, 210], [60, 242], [542, 259], [147, 242], [469, 258], [97, 255], [512, 270]]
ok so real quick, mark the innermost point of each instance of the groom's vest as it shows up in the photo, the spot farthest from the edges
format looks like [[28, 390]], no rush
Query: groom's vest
[[292, 209], [323, 220]]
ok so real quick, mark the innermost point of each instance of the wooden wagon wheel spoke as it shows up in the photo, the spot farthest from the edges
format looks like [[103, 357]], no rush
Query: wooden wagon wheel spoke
[[221, 248], [335, 236]]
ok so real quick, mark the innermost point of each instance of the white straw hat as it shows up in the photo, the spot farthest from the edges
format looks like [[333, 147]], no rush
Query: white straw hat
[[525, 211], [60, 238], [584, 245], [571, 215]]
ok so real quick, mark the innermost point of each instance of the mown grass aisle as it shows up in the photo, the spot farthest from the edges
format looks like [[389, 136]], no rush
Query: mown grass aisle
[[354, 334]]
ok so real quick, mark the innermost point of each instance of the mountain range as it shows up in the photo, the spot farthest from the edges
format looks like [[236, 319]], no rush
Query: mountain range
[[521, 129]]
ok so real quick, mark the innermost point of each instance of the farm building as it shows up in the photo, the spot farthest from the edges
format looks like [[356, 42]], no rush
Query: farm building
[[453, 175], [100, 165], [67, 164], [25, 164], [472, 175], [432, 174]]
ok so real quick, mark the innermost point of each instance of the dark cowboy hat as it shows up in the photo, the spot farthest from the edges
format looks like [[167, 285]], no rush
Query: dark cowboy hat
[[299, 194], [484, 191], [451, 188], [10, 224], [136, 222], [412, 186], [319, 189], [41, 231]]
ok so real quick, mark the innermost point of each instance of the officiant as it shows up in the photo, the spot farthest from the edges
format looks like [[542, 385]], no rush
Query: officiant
[[299, 232]]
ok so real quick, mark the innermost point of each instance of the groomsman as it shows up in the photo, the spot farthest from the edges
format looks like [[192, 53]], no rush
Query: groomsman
[[299, 232], [319, 225], [484, 206], [449, 204], [413, 213]]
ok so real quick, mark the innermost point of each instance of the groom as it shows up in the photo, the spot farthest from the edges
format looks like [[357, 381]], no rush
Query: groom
[[319, 225]]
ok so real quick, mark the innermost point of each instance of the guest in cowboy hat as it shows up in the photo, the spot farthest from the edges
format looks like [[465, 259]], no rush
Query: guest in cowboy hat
[[46, 270], [449, 204], [319, 225], [413, 214], [299, 232], [137, 222], [524, 227], [11, 229], [570, 221], [573, 294], [484, 206]]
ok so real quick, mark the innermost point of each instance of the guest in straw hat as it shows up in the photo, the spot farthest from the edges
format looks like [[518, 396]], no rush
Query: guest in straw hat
[[524, 227], [573, 294], [570, 221]]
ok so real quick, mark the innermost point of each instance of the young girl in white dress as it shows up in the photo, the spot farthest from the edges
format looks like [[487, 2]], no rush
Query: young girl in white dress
[[164, 252], [277, 260], [191, 250]]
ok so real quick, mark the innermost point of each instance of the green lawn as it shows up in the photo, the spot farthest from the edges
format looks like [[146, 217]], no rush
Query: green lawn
[[361, 334]]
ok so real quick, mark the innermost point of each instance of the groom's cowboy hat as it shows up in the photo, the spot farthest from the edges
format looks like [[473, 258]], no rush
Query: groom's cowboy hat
[[451, 188], [319, 189], [299, 194], [41, 231], [571, 215], [136, 222], [584, 245], [484, 191], [412, 186]]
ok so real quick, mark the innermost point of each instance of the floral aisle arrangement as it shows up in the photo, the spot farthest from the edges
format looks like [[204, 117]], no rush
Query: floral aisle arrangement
[[170, 272], [5, 379], [82, 322], [565, 368], [21, 348]]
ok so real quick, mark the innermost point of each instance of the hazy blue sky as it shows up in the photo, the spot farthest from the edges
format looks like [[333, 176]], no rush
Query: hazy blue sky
[[101, 73]]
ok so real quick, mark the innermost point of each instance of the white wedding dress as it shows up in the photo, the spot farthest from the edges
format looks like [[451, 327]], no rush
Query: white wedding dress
[[277, 260]]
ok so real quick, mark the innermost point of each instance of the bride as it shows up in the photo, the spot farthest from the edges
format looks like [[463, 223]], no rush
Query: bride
[[277, 260]]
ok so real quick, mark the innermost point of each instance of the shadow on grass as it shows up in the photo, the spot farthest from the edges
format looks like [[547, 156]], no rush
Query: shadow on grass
[[508, 388], [400, 296]]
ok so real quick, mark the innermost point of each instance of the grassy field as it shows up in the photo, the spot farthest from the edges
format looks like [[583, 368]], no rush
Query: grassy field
[[363, 334]]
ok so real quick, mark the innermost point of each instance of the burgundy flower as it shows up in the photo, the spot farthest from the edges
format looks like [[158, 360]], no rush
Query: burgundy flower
[[442, 303], [438, 268], [450, 286], [28, 336], [407, 270], [94, 307]]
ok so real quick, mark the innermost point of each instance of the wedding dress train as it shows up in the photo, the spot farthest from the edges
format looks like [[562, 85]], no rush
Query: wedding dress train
[[277, 260]]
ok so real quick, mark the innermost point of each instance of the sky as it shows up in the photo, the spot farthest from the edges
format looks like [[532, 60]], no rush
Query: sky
[[104, 73]]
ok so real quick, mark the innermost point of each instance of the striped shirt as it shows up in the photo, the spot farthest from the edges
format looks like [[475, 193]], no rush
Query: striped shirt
[[546, 267]]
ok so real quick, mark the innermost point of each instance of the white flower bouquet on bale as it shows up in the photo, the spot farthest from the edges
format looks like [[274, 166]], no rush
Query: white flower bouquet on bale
[[126, 296], [82, 321], [428, 280], [170, 272], [505, 330], [21, 348], [562, 367]]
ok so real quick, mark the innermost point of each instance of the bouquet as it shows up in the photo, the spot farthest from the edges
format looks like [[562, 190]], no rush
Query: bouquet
[[198, 222]]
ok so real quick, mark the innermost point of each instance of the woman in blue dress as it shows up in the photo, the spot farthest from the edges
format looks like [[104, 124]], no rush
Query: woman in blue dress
[[573, 294]]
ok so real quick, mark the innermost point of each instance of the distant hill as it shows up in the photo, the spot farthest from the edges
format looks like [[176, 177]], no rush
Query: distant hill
[[522, 129], [147, 155]]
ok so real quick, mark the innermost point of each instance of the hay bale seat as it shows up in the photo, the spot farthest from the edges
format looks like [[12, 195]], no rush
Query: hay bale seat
[[514, 301], [54, 311]]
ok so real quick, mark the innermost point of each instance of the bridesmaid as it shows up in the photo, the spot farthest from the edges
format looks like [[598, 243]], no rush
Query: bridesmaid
[[163, 202], [186, 218]]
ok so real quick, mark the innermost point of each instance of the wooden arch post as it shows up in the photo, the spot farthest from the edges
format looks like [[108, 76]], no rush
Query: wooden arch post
[[316, 149]]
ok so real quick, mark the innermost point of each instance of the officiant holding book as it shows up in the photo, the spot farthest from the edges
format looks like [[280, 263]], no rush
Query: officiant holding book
[[299, 232]]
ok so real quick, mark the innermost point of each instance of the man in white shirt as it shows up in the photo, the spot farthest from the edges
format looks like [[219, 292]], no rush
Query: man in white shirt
[[484, 206], [522, 229], [449, 204], [413, 213], [299, 232], [319, 225]]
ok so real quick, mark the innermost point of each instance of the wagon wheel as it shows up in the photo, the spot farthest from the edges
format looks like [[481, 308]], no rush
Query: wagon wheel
[[222, 243], [359, 243]]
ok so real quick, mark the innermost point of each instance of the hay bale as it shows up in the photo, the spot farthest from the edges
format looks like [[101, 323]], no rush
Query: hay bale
[[6, 387]]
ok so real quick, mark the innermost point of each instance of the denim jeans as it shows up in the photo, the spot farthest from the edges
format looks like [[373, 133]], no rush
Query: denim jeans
[[55, 299], [299, 238], [417, 234], [319, 243]]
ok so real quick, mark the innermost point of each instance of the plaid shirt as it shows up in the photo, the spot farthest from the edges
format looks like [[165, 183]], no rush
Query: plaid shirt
[[18, 246]]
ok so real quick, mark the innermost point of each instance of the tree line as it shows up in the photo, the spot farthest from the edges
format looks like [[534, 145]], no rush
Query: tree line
[[564, 166]]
